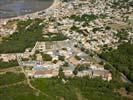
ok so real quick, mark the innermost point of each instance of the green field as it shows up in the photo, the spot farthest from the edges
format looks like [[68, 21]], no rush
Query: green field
[[55, 89], [20, 92], [77, 88], [10, 78], [27, 34], [9, 64]]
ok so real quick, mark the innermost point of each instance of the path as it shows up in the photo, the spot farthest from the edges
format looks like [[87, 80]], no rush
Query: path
[[27, 78], [79, 95], [30, 85]]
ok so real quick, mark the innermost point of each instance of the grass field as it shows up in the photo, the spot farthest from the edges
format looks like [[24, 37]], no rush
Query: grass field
[[10, 78], [73, 89], [78, 89], [20, 92]]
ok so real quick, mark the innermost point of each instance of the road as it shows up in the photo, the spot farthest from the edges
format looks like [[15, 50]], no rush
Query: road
[[29, 83], [27, 78]]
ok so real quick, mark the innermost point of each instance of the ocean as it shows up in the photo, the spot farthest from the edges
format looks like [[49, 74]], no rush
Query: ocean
[[14, 8]]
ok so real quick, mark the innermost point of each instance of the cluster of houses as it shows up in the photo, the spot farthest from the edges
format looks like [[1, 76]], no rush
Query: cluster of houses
[[92, 35], [51, 70], [7, 27], [46, 69], [95, 34]]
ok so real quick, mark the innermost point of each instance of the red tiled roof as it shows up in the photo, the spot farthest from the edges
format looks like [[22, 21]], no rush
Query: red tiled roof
[[43, 72]]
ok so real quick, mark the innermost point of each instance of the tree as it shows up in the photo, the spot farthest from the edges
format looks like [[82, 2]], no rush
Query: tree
[[61, 73], [121, 59], [33, 57], [130, 76], [62, 58], [37, 52], [65, 64], [77, 57], [55, 61], [129, 88], [75, 72], [46, 57], [107, 28], [11, 63]]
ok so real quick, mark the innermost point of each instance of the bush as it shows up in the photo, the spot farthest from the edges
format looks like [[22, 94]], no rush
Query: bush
[[10, 78], [84, 17], [46, 57], [62, 58], [11, 63], [77, 57], [121, 59], [129, 88]]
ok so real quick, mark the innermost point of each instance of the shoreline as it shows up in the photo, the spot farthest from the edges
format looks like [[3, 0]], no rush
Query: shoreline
[[32, 15]]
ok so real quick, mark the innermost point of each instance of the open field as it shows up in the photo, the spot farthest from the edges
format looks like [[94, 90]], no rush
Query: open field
[[10, 78]]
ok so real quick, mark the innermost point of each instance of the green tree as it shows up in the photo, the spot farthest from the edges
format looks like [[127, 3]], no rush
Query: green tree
[[62, 58], [61, 73], [77, 57], [75, 72], [46, 57]]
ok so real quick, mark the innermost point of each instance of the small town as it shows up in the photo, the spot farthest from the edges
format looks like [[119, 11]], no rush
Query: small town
[[71, 39]]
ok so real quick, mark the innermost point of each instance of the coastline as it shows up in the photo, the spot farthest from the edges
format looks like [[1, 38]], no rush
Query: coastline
[[32, 15]]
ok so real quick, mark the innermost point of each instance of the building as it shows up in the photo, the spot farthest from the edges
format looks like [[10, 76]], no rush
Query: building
[[104, 74], [8, 57], [45, 73], [68, 71], [84, 73], [53, 45], [96, 67]]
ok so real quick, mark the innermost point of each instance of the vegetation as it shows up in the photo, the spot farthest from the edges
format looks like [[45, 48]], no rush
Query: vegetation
[[33, 57], [74, 28], [65, 64], [10, 78], [80, 67], [72, 89], [84, 17], [119, 4], [129, 88], [54, 37], [19, 41], [61, 73], [24, 59], [65, 0], [46, 57], [62, 58], [122, 34], [121, 59], [77, 57], [96, 29], [20, 92], [11, 63], [94, 89]]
